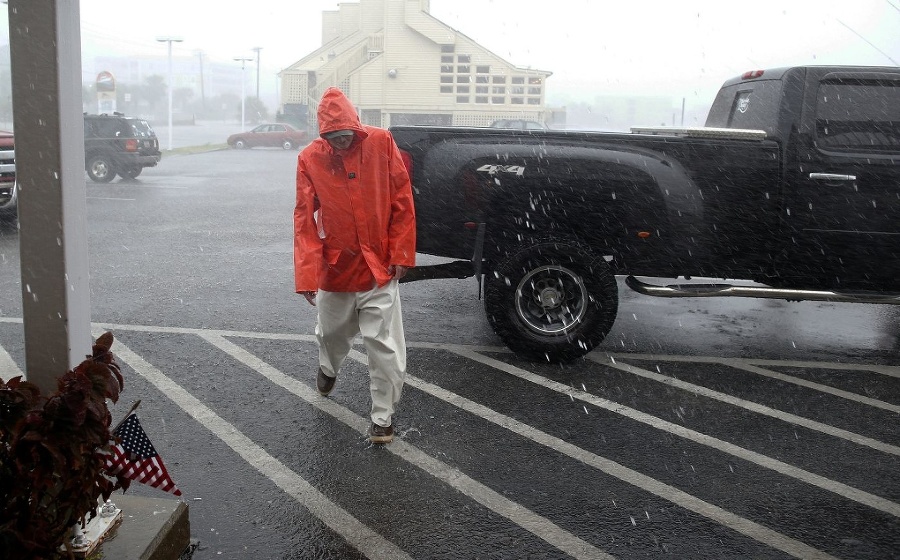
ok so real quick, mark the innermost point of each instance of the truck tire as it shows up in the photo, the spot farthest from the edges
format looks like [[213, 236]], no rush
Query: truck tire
[[552, 301], [101, 169]]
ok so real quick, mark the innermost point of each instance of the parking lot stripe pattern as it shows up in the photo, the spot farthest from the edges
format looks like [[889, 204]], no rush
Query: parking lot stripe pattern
[[541, 527], [360, 536], [372, 544], [761, 409]]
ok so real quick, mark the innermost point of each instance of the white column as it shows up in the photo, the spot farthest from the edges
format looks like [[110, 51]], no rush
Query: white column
[[45, 55]]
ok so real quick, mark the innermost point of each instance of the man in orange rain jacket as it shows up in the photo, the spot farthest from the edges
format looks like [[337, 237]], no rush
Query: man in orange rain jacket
[[354, 238]]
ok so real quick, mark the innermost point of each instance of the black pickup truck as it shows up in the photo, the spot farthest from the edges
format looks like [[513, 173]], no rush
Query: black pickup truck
[[794, 184]]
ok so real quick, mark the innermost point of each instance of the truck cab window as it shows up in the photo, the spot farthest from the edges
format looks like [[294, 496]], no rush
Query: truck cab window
[[859, 116], [751, 106]]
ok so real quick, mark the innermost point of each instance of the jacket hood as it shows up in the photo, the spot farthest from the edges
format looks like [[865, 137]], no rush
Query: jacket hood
[[336, 112]]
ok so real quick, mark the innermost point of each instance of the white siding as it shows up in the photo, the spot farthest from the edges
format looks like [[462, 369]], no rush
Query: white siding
[[419, 67]]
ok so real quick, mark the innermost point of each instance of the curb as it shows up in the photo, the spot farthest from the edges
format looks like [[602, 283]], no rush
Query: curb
[[151, 529]]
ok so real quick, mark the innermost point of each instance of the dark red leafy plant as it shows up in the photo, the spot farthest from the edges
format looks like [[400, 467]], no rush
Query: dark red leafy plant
[[52, 454]]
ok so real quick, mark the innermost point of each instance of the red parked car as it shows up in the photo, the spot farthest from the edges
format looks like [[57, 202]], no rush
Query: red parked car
[[278, 134]]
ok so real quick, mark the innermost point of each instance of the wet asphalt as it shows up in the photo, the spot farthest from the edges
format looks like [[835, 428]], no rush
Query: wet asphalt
[[699, 429]]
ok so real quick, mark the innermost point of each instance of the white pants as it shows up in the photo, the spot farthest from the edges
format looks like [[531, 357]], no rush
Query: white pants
[[375, 315]]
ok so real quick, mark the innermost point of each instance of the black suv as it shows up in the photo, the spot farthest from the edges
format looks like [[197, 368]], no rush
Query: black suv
[[116, 144]]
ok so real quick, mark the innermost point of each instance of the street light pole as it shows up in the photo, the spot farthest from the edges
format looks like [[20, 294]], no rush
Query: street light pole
[[257, 49], [170, 40], [243, 60]]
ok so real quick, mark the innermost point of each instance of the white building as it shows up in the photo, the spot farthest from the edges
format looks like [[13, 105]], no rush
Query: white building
[[400, 65]]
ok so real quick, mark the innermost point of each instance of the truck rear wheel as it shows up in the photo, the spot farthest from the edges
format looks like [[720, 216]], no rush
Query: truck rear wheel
[[553, 301]]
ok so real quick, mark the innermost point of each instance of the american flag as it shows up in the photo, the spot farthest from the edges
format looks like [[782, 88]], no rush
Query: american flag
[[135, 458]]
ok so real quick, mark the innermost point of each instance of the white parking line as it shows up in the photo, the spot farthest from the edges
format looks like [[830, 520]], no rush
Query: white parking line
[[678, 497], [757, 408], [139, 186], [849, 492], [109, 198], [528, 520], [356, 533], [8, 366], [890, 371], [813, 385]]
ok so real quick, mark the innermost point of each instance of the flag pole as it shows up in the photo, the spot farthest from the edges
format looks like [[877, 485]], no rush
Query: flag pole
[[136, 404]]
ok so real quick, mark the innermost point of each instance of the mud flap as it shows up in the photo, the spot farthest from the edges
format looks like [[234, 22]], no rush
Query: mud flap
[[477, 256]]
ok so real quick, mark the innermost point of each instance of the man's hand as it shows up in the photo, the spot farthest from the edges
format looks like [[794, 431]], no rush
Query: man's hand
[[310, 297], [398, 271]]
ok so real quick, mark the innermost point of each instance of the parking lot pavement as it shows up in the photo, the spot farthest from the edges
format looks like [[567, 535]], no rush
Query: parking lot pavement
[[619, 455]]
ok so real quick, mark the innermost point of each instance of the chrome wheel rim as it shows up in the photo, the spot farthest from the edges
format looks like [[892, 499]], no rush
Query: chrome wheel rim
[[551, 300], [100, 169]]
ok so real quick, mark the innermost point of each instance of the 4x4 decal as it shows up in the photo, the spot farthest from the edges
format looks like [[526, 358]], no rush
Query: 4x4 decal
[[518, 170]]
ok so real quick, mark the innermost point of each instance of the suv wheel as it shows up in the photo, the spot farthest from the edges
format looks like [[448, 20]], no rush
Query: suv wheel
[[240, 144], [131, 172], [100, 169]]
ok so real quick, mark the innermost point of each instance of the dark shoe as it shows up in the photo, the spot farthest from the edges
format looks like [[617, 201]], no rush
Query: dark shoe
[[324, 383], [381, 434]]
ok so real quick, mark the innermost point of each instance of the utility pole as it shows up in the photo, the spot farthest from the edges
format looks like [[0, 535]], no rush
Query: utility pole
[[202, 90], [257, 49], [170, 40], [243, 60]]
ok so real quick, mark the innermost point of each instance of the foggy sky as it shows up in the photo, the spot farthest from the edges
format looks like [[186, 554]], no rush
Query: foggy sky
[[685, 49]]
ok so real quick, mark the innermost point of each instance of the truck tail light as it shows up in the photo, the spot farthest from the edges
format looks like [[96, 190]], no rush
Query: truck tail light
[[752, 74], [131, 145], [407, 161]]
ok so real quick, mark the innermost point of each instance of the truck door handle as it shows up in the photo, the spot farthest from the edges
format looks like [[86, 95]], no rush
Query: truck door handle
[[831, 177]]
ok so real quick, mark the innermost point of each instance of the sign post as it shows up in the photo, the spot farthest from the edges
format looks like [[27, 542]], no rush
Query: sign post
[[106, 93]]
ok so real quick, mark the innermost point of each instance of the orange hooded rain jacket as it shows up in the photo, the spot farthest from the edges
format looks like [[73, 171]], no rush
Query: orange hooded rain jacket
[[366, 219]]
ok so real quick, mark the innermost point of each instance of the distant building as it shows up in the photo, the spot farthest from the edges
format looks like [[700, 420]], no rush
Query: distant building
[[399, 65], [204, 77]]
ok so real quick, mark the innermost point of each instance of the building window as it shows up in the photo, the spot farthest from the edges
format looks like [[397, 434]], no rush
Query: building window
[[448, 48], [446, 89], [498, 100], [534, 91], [446, 68], [463, 79], [516, 79], [498, 90], [482, 89], [481, 79], [462, 89], [483, 69], [464, 58], [517, 90], [463, 69], [446, 79], [481, 99], [517, 100], [499, 79], [535, 81], [447, 58], [534, 101], [462, 98]]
